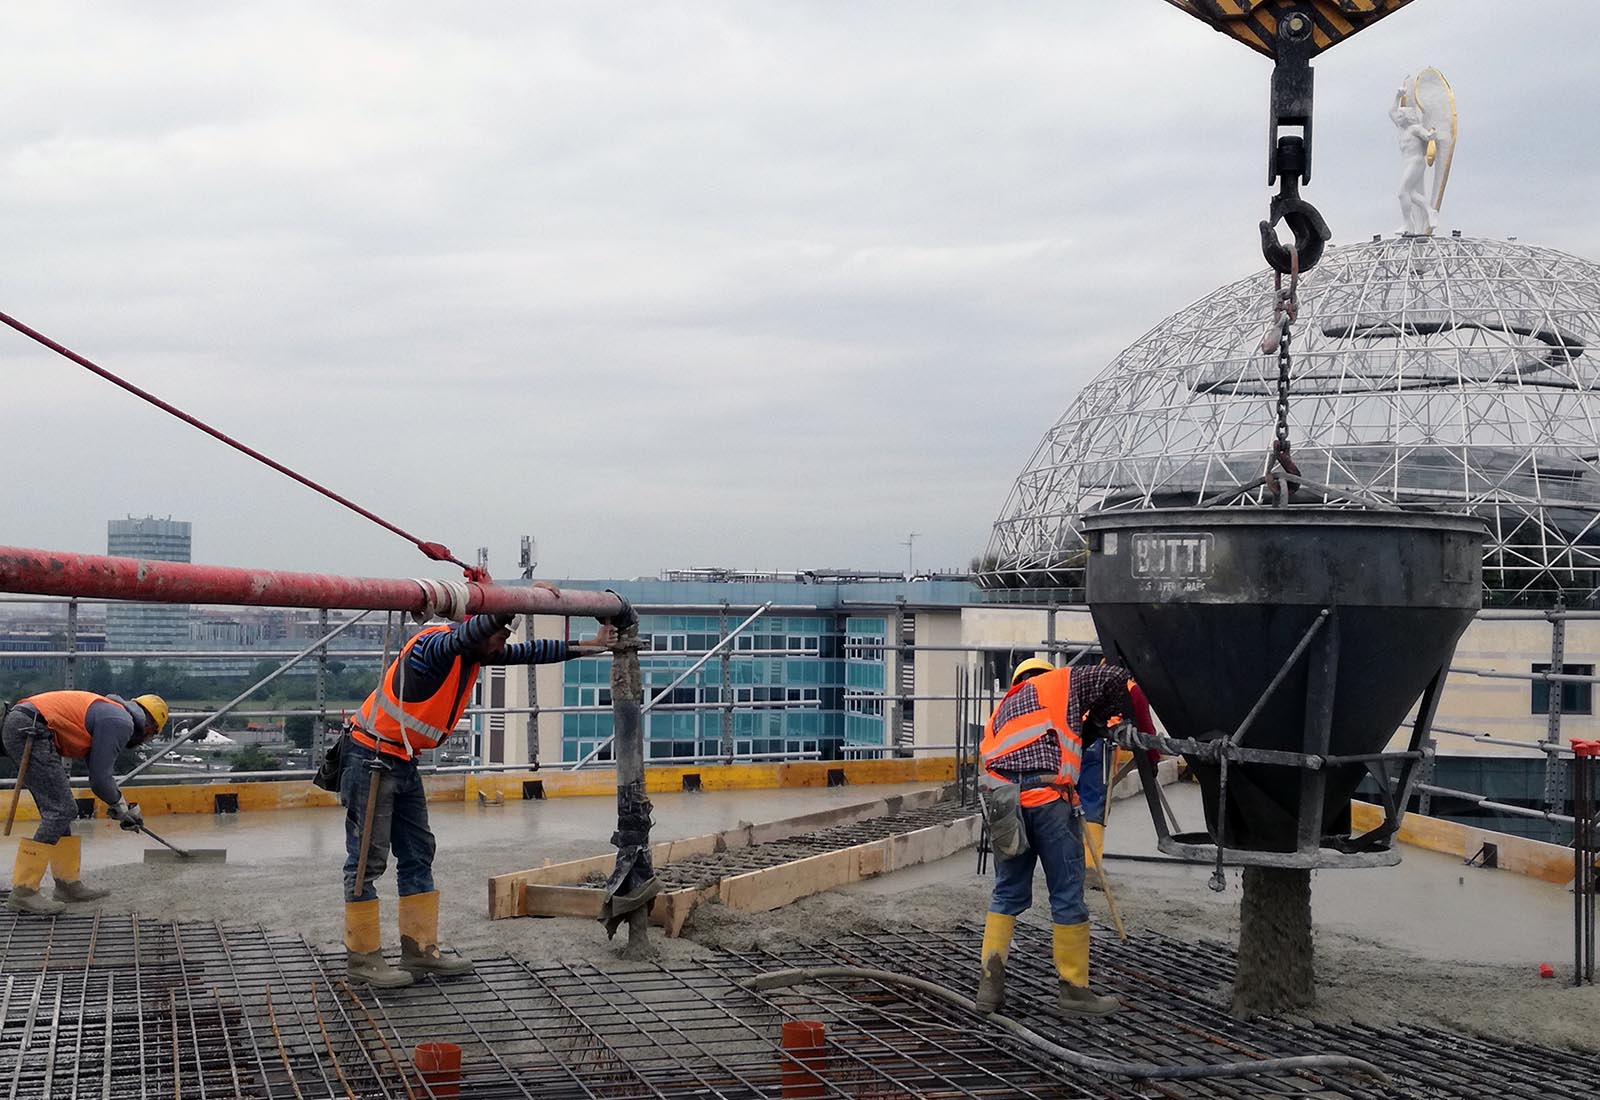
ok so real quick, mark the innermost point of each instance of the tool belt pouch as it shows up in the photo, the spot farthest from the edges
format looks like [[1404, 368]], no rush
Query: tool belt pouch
[[327, 776], [1007, 837]]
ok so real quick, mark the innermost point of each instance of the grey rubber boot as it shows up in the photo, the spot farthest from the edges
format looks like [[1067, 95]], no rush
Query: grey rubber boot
[[1078, 1001], [992, 985], [25, 899], [373, 969], [431, 961], [77, 891]]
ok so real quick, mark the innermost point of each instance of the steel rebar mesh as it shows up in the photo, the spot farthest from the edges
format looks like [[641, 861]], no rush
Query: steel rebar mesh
[[122, 1007]]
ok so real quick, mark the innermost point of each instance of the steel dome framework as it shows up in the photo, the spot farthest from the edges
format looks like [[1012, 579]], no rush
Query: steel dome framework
[[1444, 372]]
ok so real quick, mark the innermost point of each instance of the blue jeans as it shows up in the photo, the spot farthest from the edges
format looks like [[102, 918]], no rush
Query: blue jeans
[[1055, 840], [400, 819], [1092, 782]]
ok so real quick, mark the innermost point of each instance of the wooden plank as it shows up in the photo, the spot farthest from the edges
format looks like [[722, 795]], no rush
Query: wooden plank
[[505, 890], [773, 887], [561, 901], [669, 910]]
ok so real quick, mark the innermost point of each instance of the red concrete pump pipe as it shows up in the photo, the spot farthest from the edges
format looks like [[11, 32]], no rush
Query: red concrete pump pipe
[[88, 576]]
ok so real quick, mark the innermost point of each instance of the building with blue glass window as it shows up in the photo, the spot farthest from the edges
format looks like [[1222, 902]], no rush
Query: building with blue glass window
[[828, 669]]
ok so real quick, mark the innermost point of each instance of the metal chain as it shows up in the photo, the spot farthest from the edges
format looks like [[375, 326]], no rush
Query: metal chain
[[1285, 311]]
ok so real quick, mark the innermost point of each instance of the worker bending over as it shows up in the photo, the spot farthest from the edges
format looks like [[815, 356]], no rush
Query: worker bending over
[[416, 706], [78, 725], [1032, 748]]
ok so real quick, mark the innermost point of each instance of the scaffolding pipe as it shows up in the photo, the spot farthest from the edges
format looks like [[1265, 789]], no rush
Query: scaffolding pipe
[[90, 576]]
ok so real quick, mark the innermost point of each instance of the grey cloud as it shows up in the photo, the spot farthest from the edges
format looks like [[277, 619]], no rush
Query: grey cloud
[[755, 283]]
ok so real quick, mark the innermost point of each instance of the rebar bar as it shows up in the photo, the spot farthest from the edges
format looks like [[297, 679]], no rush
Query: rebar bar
[[155, 1009]]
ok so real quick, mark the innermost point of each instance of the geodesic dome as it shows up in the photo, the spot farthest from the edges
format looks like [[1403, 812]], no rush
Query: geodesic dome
[[1445, 372]]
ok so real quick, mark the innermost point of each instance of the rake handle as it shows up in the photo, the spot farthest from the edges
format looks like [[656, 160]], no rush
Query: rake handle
[[16, 792], [375, 780], [163, 843]]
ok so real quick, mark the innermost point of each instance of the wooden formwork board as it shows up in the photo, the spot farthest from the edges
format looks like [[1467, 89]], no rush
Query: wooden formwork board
[[505, 891], [555, 890]]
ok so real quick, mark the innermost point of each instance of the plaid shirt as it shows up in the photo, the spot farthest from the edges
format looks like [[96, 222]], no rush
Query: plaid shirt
[[1042, 755], [1099, 692]]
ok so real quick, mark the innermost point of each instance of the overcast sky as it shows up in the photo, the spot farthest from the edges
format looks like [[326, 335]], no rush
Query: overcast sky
[[766, 285]]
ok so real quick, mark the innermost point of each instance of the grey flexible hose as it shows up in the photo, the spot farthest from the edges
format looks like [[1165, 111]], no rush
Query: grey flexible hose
[[1145, 1071]]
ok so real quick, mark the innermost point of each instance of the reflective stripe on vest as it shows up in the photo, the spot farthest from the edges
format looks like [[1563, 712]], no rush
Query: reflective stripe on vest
[[385, 723], [67, 715], [1031, 717]]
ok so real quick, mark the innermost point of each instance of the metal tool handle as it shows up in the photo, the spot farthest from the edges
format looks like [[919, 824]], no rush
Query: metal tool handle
[[16, 792], [162, 842]]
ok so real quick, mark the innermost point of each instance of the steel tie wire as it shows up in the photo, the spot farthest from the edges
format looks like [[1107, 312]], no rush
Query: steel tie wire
[[399, 1067], [675, 1029], [288, 986], [349, 1024], [576, 1080], [238, 986]]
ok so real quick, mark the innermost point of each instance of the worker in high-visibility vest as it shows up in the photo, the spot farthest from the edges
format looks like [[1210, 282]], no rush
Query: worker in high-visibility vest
[[1032, 748], [416, 706], [72, 725]]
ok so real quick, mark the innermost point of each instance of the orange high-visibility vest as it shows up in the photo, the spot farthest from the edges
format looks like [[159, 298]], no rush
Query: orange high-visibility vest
[[1033, 709], [387, 724], [67, 715]]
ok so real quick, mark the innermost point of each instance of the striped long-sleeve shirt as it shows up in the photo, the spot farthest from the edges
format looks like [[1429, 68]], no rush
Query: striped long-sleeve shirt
[[432, 657]]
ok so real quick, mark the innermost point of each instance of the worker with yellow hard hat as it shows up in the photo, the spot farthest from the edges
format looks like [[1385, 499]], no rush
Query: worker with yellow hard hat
[[79, 725], [1030, 760]]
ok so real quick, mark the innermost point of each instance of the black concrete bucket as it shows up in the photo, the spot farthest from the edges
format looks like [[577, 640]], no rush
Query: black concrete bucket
[[1282, 649]]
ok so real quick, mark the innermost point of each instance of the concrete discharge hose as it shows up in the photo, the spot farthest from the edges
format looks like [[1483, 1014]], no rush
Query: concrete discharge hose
[[1145, 1071]]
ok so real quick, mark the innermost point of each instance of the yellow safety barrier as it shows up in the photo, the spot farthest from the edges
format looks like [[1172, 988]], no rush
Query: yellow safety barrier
[[298, 794]]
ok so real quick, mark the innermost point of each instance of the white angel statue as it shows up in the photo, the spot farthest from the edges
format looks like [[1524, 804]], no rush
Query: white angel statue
[[1425, 116]]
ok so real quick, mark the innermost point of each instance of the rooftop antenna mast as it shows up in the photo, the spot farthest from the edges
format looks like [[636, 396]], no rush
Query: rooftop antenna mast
[[911, 539], [529, 559]]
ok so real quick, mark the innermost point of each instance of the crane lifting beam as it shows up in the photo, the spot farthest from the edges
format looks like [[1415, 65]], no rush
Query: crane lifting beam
[[88, 576], [1255, 22]]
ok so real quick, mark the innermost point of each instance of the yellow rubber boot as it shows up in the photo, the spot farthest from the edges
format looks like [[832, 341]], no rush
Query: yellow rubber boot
[[26, 874], [1094, 843], [419, 938], [997, 932], [66, 859], [1071, 947], [364, 949]]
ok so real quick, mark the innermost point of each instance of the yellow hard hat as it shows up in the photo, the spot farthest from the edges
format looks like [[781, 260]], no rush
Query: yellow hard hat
[[156, 708], [1032, 664]]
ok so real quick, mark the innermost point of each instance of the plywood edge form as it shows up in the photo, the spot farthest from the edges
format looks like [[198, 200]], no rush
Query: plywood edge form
[[668, 910], [506, 890], [774, 887]]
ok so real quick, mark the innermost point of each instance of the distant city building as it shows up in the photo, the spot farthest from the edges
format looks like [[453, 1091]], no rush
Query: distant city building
[[141, 625], [844, 664]]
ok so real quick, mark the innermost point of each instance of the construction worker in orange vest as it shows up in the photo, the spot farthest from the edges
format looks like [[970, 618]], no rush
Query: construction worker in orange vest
[[1032, 749], [416, 706], [76, 725]]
